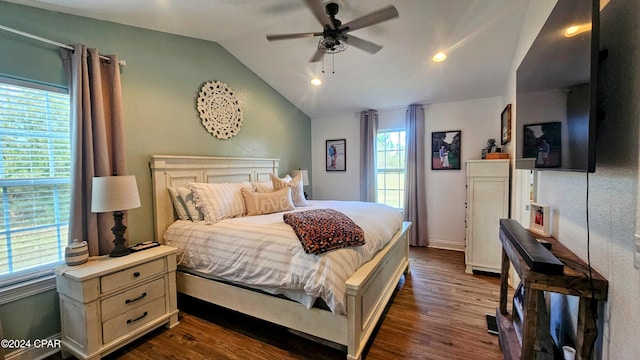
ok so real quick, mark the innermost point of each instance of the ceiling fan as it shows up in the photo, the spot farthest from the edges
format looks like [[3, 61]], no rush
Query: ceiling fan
[[335, 38]]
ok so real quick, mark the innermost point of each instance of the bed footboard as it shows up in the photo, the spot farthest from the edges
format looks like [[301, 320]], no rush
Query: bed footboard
[[370, 288]]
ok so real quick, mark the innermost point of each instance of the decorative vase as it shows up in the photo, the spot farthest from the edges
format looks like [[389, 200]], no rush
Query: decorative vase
[[76, 253]]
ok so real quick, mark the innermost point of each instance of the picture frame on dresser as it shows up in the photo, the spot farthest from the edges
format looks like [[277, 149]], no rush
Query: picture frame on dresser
[[540, 219]]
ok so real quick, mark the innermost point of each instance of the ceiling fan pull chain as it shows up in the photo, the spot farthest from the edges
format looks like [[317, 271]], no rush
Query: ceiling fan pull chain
[[323, 64], [333, 63]]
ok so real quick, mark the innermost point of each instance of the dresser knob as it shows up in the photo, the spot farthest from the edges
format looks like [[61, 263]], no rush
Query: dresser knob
[[136, 274]]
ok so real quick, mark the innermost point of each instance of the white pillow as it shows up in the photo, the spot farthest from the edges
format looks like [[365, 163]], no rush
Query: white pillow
[[266, 203], [187, 197], [297, 192], [178, 204], [219, 201]]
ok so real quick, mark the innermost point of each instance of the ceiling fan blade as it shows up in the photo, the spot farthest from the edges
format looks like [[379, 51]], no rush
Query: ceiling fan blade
[[317, 56], [375, 17], [319, 12], [292, 36], [362, 44]]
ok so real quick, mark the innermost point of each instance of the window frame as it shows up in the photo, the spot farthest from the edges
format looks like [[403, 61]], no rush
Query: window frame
[[401, 171], [40, 278]]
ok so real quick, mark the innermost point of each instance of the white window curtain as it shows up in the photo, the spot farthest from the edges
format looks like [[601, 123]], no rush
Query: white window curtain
[[97, 140], [415, 197], [368, 134]]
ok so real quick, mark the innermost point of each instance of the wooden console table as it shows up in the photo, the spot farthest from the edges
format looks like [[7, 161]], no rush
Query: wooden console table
[[534, 328]]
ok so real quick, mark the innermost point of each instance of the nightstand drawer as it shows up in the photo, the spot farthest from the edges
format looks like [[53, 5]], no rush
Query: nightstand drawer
[[125, 277], [132, 319], [125, 301]]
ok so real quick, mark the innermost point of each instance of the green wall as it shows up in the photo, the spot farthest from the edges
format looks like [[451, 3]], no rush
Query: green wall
[[160, 84]]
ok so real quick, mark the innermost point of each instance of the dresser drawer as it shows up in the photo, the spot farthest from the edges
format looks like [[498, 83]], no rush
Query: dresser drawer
[[125, 301], [132, 319], [135, 273]]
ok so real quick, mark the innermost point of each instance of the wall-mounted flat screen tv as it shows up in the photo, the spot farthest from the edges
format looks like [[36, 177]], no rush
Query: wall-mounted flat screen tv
[[556, 91]]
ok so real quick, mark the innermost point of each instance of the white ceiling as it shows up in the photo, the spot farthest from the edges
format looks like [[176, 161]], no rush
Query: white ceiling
[[480, 37]]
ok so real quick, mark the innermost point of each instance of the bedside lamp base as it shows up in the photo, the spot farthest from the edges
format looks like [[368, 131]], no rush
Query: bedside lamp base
[[118, 230]]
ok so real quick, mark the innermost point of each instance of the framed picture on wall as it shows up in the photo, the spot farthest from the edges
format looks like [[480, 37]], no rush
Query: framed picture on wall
[[336, 152], [505, 124], [445, 150]]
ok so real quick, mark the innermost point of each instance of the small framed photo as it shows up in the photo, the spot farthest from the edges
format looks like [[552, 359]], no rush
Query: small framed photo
[[336, 151], [540, 219], [505, 124]]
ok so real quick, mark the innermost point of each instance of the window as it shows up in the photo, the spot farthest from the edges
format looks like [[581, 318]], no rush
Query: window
[[35, 160], [390, 152]]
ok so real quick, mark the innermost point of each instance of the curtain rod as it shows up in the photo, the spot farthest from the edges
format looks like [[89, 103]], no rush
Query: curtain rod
[[65, 46]]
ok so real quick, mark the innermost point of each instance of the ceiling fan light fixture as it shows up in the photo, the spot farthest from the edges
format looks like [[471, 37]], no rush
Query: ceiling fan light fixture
[[316, 82], [332, 45], [334, 37]]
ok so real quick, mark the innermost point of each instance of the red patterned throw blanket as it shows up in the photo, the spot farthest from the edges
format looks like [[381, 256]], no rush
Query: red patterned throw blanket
[[323, 230]]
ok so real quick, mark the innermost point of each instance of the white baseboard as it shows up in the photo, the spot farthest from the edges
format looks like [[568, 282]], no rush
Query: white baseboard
[[446, 244], [34, 353]]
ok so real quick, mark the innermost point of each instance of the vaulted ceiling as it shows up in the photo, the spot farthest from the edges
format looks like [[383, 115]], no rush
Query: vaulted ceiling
[[479, 37]]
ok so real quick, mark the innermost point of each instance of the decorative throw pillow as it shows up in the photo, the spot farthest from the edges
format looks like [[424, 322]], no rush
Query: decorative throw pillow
[[189, 203], [178, 204], [266, 203], [219, 201], [267, 186], [263, 186], [297, 192]]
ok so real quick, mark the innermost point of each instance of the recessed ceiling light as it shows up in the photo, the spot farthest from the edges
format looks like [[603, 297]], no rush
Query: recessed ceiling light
[[316, 82], [439, 57]]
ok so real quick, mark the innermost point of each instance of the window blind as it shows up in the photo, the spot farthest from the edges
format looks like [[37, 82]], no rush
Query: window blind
[[35, 164]]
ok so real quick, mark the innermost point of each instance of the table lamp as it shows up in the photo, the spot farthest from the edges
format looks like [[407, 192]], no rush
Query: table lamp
[[115, 193]]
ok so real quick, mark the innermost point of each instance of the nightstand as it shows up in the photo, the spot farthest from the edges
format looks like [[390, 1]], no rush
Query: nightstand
[[109, 302]]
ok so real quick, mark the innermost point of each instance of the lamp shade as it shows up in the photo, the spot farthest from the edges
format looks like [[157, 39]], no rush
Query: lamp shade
[[114, 193], [305, 176]]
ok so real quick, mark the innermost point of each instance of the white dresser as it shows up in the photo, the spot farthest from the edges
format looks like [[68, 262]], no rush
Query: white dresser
[[487, 203], [107, 303]]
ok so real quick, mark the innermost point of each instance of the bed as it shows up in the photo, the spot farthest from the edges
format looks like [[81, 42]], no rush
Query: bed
[[367, 290]]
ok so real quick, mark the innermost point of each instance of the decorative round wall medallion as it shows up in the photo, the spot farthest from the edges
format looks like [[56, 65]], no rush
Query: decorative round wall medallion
[[219, 110]]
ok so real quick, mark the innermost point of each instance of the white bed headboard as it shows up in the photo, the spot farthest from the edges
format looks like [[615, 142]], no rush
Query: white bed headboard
[[176, 170]]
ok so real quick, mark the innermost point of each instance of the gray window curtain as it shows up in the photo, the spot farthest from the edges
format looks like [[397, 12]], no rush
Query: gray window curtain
[[415, 197], [97, 140], [368, 134]]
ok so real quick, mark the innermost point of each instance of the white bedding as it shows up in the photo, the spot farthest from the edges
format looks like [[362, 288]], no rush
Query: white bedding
[[263, 252]]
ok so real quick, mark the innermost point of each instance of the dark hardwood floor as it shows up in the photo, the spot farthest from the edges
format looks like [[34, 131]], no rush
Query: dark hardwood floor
[[438, 312]]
